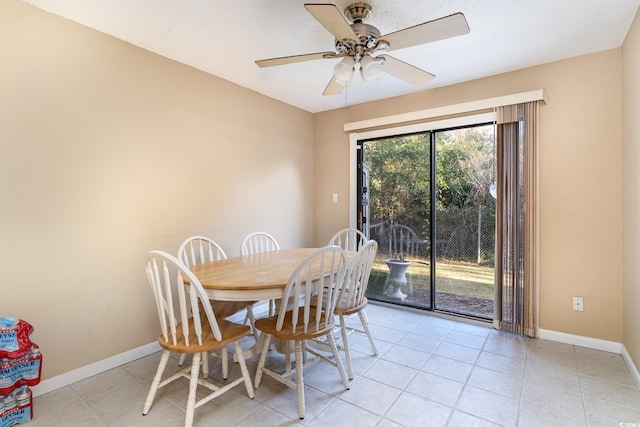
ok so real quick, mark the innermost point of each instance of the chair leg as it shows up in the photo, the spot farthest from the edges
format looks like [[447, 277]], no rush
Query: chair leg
[[299, 379], [345, 345], [193, 384], [244, 370], [156, 382], [287, 356], [224, 356], [183, 356], [365, 326], [334, 350], [263, 357], [205, 365]]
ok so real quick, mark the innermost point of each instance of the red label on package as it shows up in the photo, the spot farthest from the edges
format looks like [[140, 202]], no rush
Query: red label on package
[[19, 372], [14, 341]]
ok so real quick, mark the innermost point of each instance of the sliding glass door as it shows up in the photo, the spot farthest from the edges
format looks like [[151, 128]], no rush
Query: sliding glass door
[[465, 221], [396, 199], [426, 199]]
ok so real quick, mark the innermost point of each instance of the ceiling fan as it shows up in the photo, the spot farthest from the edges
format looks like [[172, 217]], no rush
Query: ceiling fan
[[359, 45]]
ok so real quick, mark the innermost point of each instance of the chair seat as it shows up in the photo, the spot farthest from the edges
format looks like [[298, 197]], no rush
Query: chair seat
[[344, 310], [230, 332], [268, 325]]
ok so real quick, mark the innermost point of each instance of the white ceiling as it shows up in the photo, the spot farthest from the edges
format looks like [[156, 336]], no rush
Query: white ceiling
[[225, 37]]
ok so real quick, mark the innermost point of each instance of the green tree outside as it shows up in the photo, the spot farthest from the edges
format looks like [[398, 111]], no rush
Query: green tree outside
[[399, 188]]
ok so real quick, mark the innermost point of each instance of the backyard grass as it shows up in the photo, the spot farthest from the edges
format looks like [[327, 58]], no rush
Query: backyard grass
[[452, 277]]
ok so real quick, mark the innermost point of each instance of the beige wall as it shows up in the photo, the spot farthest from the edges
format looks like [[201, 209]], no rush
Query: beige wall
[[331, 156], [580, 181], [109, 151], [631, 188]]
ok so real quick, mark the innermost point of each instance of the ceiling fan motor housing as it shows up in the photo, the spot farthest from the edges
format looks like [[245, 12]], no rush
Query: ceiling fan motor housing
[[358, 12], [367, 34], [367, 40]]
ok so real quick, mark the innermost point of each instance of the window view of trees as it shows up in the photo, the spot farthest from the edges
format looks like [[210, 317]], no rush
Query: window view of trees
[[399, 189], [399, 184], [465, 210]]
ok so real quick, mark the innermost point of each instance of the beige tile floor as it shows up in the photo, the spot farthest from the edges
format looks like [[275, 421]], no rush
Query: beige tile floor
[[430, 372]]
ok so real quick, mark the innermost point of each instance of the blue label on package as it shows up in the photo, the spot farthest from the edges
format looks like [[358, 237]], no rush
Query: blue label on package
[[15, 416], [8, 340]]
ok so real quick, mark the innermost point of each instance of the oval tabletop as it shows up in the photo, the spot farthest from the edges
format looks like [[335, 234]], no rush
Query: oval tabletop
[[250, 277]]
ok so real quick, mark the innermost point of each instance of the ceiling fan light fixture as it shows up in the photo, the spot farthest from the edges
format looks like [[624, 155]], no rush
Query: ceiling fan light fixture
[[370, 69], [343, 70]]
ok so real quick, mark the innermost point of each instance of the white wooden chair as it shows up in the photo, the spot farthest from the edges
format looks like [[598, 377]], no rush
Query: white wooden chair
[[198, 250], [351, 298], [317, 278], [402, 240], [350, 239], [257, 242], [189, 325]]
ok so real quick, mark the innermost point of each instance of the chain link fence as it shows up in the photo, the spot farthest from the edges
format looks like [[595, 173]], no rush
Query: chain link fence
[[462, 234], [466, 234]]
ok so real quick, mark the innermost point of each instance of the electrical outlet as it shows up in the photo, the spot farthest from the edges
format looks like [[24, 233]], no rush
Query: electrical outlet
[[578, 304]]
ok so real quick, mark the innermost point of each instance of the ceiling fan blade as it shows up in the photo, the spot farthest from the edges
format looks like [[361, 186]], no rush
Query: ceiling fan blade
[[438, 29], [404, 71], [292, 59], [332, 19], [333, 88]]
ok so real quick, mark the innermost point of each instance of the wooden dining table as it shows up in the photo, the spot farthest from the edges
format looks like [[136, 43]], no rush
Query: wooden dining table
[[260, 276], [254, 277]]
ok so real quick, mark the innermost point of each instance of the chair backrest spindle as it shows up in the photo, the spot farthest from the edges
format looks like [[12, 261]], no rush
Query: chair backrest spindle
[[176, 302], [402, 240], [258, 242], [350, 239], [352, 294], [311, 292], [198, 250]]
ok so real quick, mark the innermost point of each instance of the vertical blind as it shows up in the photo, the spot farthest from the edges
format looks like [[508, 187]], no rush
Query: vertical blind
[[515, 299]]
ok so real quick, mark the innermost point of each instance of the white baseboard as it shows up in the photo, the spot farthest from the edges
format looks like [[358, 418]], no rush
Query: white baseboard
[[92, 369], [596, 344]]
